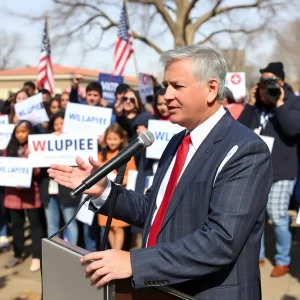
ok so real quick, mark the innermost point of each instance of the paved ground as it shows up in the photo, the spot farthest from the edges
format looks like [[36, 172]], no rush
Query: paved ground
[[21, 284]]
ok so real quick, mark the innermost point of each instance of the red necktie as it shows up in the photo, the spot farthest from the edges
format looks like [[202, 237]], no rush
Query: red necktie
[[177, 169]]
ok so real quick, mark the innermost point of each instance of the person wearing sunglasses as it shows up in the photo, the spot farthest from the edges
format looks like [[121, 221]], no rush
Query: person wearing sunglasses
[[127, 108], [273, 112]]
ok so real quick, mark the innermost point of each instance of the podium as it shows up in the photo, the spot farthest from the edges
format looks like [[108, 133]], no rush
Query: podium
[[63, 278]]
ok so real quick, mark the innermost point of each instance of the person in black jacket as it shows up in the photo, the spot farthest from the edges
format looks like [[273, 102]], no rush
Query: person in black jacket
[[280, 120]]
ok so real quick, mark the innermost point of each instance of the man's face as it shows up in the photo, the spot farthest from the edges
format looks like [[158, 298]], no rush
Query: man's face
[[189, 103], [263, 87], [29, 90], [93, 98]]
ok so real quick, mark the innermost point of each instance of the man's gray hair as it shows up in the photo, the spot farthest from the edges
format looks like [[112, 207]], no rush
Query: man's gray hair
[[207, 64]]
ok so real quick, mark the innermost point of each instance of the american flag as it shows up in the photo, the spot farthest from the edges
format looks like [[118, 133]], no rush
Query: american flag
[[45, 71], [124, 45]]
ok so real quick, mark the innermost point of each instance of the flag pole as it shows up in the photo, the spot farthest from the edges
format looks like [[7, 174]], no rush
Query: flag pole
[[134, 56], [47, 32]]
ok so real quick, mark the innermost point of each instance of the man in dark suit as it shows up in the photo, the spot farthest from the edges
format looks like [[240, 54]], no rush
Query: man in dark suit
[[203, 216]]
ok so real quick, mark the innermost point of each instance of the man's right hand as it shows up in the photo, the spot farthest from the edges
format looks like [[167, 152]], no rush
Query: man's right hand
[[71, 177], [76, 80], [253, 95], [119, 106]]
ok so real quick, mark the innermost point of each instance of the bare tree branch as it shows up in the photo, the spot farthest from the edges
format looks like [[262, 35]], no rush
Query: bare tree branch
[[147, 42], [217, 11], [209, 37], [9, 46], [161, 10]]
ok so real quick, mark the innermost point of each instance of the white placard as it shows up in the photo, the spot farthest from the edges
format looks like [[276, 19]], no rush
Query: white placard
[[32, 109], [3, 119], [131, 179], [85, 215], [236, 82], [145, 86], [269, 141], [86, 118], [163, 132], [47, 149], [6, 131], [15, 172]]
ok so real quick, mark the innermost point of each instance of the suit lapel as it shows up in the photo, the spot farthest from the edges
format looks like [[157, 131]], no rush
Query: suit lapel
[[200, 157]]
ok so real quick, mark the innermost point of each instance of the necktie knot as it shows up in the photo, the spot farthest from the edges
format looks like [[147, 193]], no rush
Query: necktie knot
[[187, 139]]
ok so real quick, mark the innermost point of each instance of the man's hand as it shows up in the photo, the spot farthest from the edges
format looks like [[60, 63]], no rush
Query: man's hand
[[107, 265], [280, 102], [103, 102], [71, 177], [253, 95], [119, 106], [76, 80]]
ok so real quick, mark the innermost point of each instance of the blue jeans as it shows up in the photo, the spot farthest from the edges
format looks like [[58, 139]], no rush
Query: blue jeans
[[297, 187], [3, 225], [92, 234], [277, 209], [52, 215]]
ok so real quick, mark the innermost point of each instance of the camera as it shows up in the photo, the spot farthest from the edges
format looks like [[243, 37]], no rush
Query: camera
[[273, 91]]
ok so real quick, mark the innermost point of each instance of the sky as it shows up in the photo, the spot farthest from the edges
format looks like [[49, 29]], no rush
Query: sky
[[101, 59]]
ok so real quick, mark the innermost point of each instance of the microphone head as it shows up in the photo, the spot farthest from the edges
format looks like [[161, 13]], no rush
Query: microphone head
[[147, 138]]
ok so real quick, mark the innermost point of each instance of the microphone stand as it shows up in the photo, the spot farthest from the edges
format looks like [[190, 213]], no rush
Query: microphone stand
[[118, 183]]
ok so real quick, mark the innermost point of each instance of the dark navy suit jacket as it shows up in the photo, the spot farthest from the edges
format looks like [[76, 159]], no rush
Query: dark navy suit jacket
[[209, 242]]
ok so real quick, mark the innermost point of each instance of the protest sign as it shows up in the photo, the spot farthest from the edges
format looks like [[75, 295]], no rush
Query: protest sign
[[3, 119], [6, 131], [86, 118], [32, 109], [47, 149], [15, 172], [145, 86], [163, 132], [236, 82], [109, 84]]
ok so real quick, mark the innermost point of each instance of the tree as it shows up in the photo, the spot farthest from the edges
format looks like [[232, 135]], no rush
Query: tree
[[185, 20], [287, 50], [9, 45]]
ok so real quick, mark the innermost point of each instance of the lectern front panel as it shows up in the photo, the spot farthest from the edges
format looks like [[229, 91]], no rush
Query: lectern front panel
[[63, 275]]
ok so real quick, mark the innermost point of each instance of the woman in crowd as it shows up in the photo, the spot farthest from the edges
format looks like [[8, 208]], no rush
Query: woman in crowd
[[229, 102], [127, 109], [160, 109], [114, 141], [18, 200], [64, 99], [19, 97], [54, 106]]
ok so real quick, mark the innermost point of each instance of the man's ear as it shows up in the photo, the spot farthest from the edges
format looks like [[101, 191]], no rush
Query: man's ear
[[213, 89]]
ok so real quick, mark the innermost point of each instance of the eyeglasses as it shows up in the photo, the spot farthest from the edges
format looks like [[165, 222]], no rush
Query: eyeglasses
[[132, 100]]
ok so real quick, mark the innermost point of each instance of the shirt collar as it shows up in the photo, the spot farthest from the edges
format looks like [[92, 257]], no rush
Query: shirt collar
[[201, 131]]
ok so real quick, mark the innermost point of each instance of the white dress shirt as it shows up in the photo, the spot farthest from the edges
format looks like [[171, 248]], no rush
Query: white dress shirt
[[197, 136]]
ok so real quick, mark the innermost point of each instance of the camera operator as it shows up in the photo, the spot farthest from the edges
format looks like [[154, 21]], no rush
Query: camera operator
[[274, 112]]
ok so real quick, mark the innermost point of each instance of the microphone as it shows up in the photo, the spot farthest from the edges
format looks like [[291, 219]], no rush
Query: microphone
[[145, 139]]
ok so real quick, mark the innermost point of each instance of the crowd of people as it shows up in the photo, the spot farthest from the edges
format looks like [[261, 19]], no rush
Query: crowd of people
[[45, 201]]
